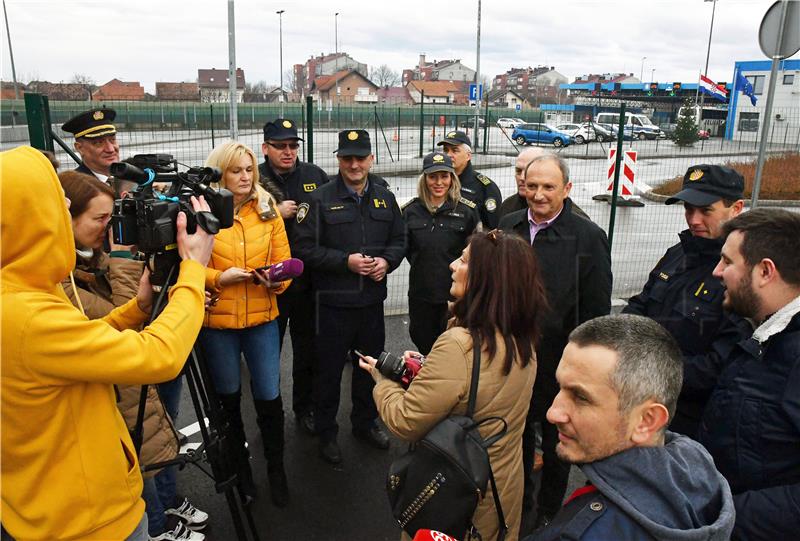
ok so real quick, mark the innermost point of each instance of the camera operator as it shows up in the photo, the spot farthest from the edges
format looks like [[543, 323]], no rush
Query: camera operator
[[100, 283], [69, 468]]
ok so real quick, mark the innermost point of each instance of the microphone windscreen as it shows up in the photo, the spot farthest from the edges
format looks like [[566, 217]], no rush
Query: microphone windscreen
[[285, 270], [432, 535]]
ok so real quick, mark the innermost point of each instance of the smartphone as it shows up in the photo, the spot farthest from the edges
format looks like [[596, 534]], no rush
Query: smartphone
[[262, 269], [358, 353]]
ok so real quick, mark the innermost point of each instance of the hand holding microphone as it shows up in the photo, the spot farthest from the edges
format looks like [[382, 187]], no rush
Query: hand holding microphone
[[272, 275]]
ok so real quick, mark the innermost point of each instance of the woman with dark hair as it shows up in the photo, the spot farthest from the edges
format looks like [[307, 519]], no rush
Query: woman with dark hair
[[438, 224], [499, 299]]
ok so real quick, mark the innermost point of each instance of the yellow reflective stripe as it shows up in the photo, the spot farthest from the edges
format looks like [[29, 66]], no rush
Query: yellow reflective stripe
[[94, 129]]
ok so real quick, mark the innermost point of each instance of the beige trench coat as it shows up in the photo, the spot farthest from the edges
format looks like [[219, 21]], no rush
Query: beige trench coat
[[442, 388]]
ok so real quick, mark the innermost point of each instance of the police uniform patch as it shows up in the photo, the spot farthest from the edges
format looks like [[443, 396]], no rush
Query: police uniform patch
[[484, 179], [468, 190], [302, 212], [380, 203], [467, 202], [491, 204], [309, 187], [352, 135], [336, 207], [98, 115], [663, 276], [287, 124], [697, 174], [438, 158], [451, 135]]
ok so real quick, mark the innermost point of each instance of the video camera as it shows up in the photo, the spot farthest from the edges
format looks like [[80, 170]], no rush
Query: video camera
[[148, 218]]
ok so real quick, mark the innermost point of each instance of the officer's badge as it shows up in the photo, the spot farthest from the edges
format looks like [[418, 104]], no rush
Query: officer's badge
[[438, 158], [353, 135], [302, 212], [484, 179], [697, 174], [380, 203], [491, 204], [309, 187], [470, 204], [663, 276], [451, 134], [287, 124], [98, 115]]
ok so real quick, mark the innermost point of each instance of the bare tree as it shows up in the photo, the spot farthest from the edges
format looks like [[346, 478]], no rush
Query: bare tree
[[383, 75], [86, 81]]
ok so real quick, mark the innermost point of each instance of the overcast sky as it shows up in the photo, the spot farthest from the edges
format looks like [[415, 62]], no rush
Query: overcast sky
[[168, 40]]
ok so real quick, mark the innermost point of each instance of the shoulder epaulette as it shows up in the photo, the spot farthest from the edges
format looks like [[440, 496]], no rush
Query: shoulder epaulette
[[470, 204], [484, 179], [407, 203]]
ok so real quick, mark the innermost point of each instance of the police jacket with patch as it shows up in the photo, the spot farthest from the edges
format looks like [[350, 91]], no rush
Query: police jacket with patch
[[665, 493], [433, 241], [335, 225], [575, 266], [482, 191], [683, 297], [751, 426]]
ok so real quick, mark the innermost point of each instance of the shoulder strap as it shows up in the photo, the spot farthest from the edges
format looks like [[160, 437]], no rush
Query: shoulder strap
[[476, 371], [501, 518]]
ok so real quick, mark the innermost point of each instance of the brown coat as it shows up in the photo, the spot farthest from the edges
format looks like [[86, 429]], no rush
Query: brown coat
[[103, 284], [442, 388]]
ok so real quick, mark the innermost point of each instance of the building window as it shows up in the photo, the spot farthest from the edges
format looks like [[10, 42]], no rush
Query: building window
[[758, 83], [748, 121], [788, 78]]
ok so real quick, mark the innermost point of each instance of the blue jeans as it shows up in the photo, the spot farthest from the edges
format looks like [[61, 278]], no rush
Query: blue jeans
[[223, 349], [140, 533]]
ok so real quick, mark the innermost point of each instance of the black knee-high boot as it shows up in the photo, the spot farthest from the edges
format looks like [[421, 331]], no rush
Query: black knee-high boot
[[240, 457], [270, 422]]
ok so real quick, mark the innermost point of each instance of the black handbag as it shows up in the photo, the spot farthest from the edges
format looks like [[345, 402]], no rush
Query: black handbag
[[439, 482]]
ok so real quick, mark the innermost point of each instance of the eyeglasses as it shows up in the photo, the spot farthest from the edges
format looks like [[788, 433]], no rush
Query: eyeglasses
[[283, 146]]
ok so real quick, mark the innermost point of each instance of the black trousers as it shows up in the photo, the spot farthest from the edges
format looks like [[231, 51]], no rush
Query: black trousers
[[341, 330], [427, 321], [297, 310], [555, 472]]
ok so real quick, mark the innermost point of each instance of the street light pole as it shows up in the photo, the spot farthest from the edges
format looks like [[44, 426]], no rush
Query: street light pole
[[11, 54], [336, 48], [478, 80], [641, 70], [652, 75], [708, 52], [280, 33]]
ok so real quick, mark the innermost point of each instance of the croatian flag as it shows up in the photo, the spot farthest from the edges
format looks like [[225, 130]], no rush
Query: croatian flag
[[707, 86]]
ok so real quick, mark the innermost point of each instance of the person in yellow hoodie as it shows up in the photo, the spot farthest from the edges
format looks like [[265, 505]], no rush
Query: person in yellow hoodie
[[244, 318], [69, 470]]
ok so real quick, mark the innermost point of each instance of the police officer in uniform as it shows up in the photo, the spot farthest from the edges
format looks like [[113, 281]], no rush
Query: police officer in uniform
[[291, 182], [475, 186], [681, 293], [438, 223], [95, 140], [350, 236]]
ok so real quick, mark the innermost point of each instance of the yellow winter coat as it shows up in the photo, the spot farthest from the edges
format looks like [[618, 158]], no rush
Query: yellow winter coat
[[256, 239], [68, 466]]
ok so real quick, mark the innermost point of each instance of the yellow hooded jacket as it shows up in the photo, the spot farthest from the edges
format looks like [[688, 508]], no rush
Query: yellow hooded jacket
[[68, 466]]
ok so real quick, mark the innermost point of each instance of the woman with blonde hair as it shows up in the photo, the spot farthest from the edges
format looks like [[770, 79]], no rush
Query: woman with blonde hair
[[243, 316], [438, 224]]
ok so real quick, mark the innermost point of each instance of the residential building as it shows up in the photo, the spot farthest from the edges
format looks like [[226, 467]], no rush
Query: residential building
[[346, 86], [62, 91], [394, 95], [536, 85], [119, 90], [214, 85], [444, 92], [7, 90], [744, 121], [499, 97], [324, 64], [177, 91], [438, 70]]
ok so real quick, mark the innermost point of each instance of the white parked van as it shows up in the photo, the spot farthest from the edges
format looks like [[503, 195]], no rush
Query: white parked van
[[639, 125]]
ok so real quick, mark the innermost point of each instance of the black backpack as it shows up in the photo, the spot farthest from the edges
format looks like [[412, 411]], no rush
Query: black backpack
[[439, 482]]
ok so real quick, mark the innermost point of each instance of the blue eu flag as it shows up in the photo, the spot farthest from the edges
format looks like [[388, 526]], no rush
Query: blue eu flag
[[747, 89]]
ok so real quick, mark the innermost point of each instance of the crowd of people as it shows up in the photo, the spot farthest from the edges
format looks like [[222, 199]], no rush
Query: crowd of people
[[682, 413]]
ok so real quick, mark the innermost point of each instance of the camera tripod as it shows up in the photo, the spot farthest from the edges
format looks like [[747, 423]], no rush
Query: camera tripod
[[216, 445]]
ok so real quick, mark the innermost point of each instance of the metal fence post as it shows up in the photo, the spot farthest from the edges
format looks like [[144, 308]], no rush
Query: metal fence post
[[303, 126], [485, 127], [310, 131], [213, 142], [375, 129], [421, 121], [398, 133], [615, 190], [37, 111]]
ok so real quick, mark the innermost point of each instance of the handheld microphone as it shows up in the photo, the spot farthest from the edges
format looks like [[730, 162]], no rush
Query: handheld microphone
[[432, 535], [285, 270]]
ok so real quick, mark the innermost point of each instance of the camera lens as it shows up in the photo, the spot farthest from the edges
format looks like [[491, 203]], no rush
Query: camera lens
[[391, 366]]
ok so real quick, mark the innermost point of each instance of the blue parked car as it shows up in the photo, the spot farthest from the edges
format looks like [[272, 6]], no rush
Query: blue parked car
[[527, 134]]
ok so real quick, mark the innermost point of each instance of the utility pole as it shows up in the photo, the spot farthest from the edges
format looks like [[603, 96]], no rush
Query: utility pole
[[478, 78], [234, 121], [641, 70], [11, 54], [336, 49], [280, 33]]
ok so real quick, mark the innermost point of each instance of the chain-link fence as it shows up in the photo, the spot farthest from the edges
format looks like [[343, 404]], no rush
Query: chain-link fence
[[401, 133]]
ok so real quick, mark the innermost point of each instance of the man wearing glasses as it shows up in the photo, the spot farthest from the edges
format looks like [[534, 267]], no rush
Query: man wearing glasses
[[291, 182]]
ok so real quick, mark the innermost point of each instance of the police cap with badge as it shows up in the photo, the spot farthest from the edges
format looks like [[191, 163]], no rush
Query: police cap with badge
[[354, 143], [281, 129], [455, 138], [437, 161], [92, 123], [704, 185]]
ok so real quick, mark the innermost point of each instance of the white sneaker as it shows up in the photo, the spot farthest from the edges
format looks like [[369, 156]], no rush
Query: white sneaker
[[194, 518], [180, 533]]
